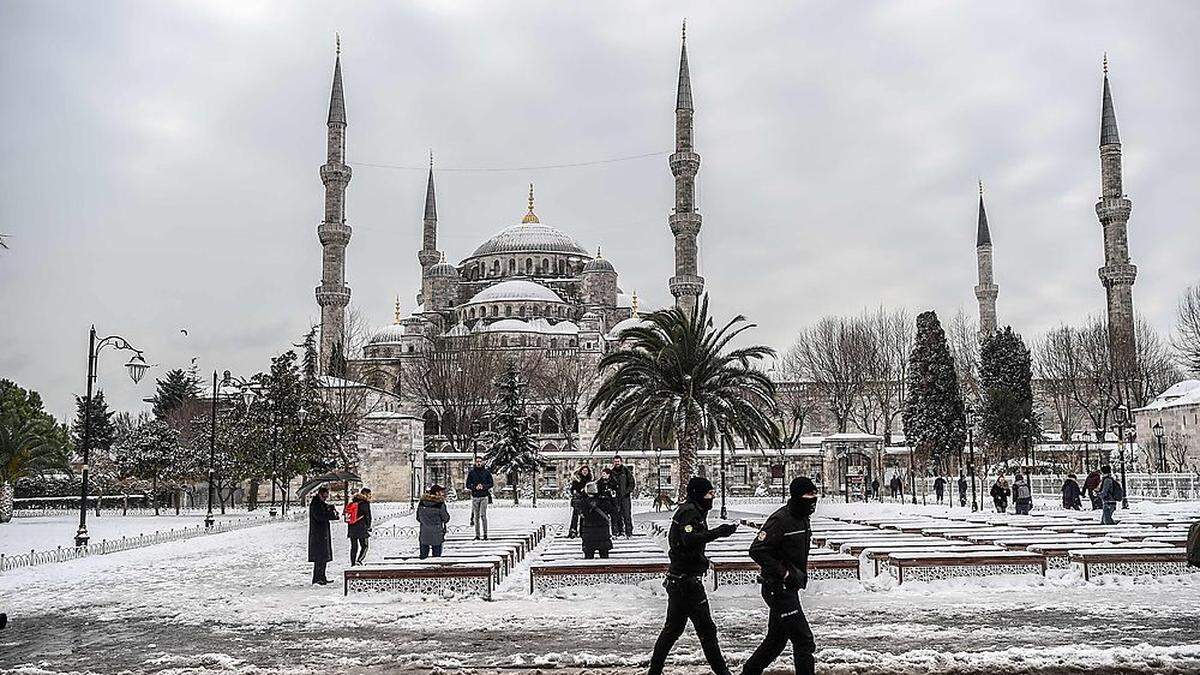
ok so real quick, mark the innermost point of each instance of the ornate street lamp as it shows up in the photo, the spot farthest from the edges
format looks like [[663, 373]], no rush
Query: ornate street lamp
[[658, 475], [724, 513], [137, 367], [1121, 415], [971, 455], [1162, 453]]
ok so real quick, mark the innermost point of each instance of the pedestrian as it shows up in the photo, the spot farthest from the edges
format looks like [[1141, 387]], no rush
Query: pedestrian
[[596, 513], [962, 489], [939, 488], [875, 488], [1000, 494], [480, 482], [897, 487], [1022, 495], [320, 541], [1091, 485], [1110, 493], [1070, 493], [686, 599], [1193, 551], [358, 521], [433, 515], [582, 476], [781, 550], [622, 477]]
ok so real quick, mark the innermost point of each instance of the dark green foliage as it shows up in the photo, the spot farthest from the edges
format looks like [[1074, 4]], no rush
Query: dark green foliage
[[934, 418], [174, 390], [514, 450], [1006, 418], [103, 433], [18, 406]]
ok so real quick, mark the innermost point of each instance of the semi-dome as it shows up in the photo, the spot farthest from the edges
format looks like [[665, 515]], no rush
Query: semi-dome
[[626, 324], [515, 290], [530, 237], [443, 269], [598, 264], [389, 334], [510, 326]]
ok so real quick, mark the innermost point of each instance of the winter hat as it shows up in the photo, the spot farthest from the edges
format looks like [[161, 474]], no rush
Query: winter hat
[[697, 487], [591, 488], [801, 486]]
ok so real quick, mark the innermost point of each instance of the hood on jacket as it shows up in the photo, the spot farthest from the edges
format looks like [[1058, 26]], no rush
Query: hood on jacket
[[360, 497], [429, 499]]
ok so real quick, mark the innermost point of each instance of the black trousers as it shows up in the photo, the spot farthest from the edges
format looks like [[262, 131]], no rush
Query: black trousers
[[786, 623], [319, 571], [575, 515], [686, 600], [358, 549], [623, 522]]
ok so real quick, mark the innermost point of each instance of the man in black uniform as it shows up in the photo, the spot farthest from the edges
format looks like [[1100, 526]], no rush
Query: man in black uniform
[[686, 598], [781, 549]]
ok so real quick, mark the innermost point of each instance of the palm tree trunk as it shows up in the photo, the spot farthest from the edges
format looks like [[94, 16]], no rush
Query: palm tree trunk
[[6, 501], [686, 442]]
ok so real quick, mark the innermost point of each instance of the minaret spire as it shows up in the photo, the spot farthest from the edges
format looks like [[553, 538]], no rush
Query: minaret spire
[[530, 217], [333, 295], [429, 255], [987, 290], [1118, 273], [686, 285]]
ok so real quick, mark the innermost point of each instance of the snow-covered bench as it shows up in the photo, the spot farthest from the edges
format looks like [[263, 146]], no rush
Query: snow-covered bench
[[548, 574], [743, 570], [880, 556], [946, 565], [457, 578], [1156, 561], [501, 560]]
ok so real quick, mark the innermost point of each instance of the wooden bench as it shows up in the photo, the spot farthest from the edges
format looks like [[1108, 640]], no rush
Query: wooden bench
[[934, 566], [880, 557], [1157, 561], [465, 579], [500, 561], [561, 573]]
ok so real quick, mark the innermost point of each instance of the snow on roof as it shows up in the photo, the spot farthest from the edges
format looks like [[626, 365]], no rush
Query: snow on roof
[[1182, 393], [515, 289]]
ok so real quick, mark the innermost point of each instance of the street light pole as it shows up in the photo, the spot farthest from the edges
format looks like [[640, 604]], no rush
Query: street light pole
[[912, 473], [1122, 417], [212, 454], [724, 513], [137, 368], [274, 460], [1159, 432], [971, 453]]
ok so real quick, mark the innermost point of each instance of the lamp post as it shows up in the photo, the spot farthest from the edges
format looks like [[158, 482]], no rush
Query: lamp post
[[912, 472], [412, 480], [724, 513], [137, 367], [274, 460], [248, 398], [971, 455], [1121, 415], [1162, 454], [658, 477]]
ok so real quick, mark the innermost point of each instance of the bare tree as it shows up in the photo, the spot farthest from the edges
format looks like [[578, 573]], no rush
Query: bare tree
[[561, 380], [889, 343], [1095, 387], [1177, 451], [1156, 369], [456, 381], [1055, 370], [832, 355], [799, 404], [963, 338], [1186, 339]]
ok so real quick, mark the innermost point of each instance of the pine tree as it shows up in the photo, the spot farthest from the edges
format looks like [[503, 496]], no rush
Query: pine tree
[[173, 391], [103, 433], [514, 450], [338, 366], [934, 419], [1007, 420]]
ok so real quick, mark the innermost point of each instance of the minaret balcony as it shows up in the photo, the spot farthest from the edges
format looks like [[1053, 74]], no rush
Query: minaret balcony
[[1118, 275], [686, 284], [333, 295], [685, 223], [428, 258], [685, 163], [987, 292], [333, 233], [335, 173], [1113, 209]]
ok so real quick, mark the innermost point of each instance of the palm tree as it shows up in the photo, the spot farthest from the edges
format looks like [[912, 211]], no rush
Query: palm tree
[[674, 381], [24, 451]]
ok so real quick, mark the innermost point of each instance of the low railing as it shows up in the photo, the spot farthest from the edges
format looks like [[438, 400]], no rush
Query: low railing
[[1160, 487], [105, 546]]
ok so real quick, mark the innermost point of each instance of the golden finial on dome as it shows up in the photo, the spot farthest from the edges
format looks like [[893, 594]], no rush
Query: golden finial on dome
[[634, 304], [397, 315], [530, 217], [598, 256]]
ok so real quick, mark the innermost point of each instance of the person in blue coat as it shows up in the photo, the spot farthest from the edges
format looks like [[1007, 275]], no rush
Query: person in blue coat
[[480, 483], [433, 515]]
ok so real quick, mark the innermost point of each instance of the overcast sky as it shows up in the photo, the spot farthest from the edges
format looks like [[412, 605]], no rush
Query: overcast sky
[[158, 164]]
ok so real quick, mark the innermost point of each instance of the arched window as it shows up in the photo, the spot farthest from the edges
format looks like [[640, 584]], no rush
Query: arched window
[[448, 423], [508, 310], [521, 310], [495, 268], [431, 423], [528, 266], [571, 421], [503, 340], [549, 423], [495, 310], [553, 343], [512, 265], [545, 266]]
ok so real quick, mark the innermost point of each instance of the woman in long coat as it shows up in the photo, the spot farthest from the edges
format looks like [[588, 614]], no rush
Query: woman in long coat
[[320, 543], [1070, 493], [433, 515]]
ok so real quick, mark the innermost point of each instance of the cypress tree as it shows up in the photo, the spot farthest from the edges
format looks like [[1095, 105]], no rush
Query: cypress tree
[[173, 390], [1006, 419], [514, 449], [103, 432], [934, 420]]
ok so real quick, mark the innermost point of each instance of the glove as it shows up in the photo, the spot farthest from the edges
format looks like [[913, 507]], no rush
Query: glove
[[794, 582], [726, 529]]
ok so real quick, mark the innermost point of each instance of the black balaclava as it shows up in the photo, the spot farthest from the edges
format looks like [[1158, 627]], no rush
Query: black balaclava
[[697, 489], [798, 505]]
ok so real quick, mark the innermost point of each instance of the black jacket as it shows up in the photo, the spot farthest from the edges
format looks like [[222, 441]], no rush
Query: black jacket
[[939, 484], [320, 544], [1107, 492], [1000, 494], [578, 482], [360, 528], [480, 476], [1193, 546], [688, 536], [1070, 493], [595, 521], [781, 549], [622, 478]]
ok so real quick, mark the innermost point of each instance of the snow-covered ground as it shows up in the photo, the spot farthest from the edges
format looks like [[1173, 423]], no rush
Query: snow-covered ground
[[47, 532], [242, 601]]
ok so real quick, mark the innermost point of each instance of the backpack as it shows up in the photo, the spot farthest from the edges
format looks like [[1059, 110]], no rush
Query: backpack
[[1118, 491], [351, 513], [1023, 491]]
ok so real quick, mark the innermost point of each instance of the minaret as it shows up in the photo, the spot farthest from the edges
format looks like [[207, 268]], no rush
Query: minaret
[[428, 255], [987, 290], [687, 284], [1118, 273], [333, 295]]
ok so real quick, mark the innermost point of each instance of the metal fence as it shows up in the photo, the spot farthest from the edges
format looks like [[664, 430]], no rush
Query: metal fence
[[105, 546], [1161, 487]]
